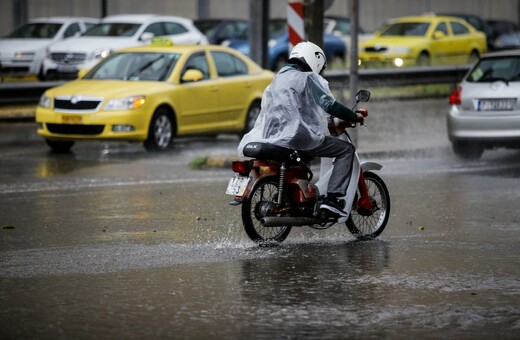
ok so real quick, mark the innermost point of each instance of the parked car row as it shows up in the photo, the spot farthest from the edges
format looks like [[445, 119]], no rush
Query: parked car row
[[58, 48]]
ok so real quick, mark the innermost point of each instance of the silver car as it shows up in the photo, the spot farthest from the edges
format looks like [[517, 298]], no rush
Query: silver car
[[485, 107]]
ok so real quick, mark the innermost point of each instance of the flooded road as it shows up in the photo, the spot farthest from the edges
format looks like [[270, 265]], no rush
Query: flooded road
[[112, 242]]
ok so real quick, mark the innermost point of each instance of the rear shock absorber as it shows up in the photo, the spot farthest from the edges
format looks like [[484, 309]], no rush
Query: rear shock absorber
[[280, 183]]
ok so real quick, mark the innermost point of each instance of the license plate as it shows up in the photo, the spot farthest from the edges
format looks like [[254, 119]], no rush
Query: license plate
[[67, 69], [237, 185], [496, 105], [71, 119]]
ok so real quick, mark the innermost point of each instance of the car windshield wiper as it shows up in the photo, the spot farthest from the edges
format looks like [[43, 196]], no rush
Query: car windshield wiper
[[491, 79], [145, 66]]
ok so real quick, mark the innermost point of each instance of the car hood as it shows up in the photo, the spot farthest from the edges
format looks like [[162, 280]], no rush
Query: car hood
[[393, 41], [108, 88], [10, 46], [90, 44]]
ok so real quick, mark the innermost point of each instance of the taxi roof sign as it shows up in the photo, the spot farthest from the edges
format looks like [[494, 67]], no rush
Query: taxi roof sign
[[161, 41]]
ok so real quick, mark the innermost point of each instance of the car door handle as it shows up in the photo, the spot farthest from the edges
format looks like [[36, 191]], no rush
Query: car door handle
[[248, 84], [213, 88]]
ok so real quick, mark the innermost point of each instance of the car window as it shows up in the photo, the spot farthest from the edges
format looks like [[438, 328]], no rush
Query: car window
[[173, 28], [199, 62], [442, 28], [36, 30], [71, 30], [493, 69], [228, 65], [415, 29], [88, 25], [133, 66], [458, 28], [343, 26], [156, 28], [111, 29]]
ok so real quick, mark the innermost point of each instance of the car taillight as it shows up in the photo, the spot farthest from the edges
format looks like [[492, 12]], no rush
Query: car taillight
[[455, 96], [242, 167]]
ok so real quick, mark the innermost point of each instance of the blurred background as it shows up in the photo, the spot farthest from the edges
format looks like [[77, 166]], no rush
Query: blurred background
[[372, 13]]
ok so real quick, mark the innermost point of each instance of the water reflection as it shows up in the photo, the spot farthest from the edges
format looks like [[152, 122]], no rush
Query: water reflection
[[313, 273]]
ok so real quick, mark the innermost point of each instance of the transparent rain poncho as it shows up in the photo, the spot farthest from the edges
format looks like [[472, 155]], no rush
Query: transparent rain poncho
[[293, 111]]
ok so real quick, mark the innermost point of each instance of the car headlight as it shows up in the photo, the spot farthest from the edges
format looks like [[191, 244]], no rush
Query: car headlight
[[127, 103], [101, 54], [271, 43], [45, 101], [400, 49], [24, 55]]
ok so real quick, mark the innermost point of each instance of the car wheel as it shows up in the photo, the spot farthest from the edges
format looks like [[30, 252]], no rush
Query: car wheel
[[59, 146], [252, 115], [424, 59], [161, 131], [468, 150]]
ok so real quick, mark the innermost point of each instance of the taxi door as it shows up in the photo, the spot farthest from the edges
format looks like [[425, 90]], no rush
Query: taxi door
[[235, 90], [197, 100]]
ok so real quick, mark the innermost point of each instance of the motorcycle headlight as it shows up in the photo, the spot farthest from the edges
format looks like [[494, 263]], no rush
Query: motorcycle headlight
[[127, 103], [45, 101]]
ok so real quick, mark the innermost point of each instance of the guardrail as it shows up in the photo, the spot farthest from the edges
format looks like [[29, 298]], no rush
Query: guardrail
[[30, 92]]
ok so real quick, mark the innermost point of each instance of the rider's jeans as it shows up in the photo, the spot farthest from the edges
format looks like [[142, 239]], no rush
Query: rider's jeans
[[343, 152]]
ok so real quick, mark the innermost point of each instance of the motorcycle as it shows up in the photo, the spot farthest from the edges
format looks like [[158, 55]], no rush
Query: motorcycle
[[276, 191]]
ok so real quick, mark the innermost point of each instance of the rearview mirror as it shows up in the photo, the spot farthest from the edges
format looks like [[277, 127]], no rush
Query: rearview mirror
[[363, 96], [438, 35], [147, 36], [192, 75]]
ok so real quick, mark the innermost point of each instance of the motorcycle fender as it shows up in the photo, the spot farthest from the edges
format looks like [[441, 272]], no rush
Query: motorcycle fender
[[371, 166]]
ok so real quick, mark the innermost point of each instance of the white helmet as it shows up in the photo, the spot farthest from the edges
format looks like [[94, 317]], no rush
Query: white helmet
[[310, 54]]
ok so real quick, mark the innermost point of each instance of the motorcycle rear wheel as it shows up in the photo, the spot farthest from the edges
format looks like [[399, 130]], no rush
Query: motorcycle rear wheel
[[257, 206], [369, 227]]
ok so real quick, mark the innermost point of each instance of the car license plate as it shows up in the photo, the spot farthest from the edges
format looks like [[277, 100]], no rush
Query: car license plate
[[71, 119], [237, 185], [496, 105], [67, 69]]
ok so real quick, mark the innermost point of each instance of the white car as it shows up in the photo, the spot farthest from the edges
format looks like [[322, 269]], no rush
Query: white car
[[64, 59], [22, 52], [485, 106]]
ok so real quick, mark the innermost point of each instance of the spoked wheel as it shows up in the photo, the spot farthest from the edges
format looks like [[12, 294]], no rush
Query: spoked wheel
[[368, 226], [260, 204], [161, 131]]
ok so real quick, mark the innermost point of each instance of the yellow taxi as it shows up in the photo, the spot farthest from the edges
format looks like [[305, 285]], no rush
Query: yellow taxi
[[151, 94], [423, 40]]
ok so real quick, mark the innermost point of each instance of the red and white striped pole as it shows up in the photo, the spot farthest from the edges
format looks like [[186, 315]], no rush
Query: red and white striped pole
[[295, 22]]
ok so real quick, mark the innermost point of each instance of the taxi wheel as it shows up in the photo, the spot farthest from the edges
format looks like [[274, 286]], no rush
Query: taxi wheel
[[424, 59], [59, 146], [161, 131], [252, 115]]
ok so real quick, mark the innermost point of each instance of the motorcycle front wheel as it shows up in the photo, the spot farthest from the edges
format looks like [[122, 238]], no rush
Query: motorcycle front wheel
[[260, 204], [368, 227]]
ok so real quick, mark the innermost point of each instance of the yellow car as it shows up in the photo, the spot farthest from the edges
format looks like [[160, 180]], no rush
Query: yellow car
[[151, 94], [423, 40]]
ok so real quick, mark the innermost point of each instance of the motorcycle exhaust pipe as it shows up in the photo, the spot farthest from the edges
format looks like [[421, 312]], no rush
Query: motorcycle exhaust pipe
[[273, 221]]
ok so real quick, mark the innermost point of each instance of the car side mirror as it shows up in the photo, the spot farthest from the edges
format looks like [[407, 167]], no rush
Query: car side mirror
[[147, 36], [438, 35], [192, 75]]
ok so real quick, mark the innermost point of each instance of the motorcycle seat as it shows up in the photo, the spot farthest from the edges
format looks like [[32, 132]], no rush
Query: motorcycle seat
[[270, 151]]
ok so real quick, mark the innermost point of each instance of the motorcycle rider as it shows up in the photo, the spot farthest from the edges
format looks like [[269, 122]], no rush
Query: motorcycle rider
[[293, 116]]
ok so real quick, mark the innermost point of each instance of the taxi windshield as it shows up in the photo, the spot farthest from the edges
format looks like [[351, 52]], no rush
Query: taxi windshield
[[135, 66], [406, 29]]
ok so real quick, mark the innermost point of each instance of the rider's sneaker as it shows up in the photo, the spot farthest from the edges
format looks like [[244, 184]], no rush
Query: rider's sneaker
[[334, 205]]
